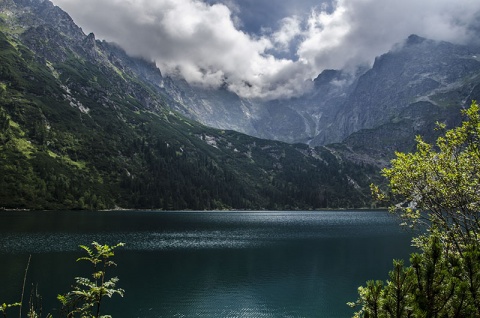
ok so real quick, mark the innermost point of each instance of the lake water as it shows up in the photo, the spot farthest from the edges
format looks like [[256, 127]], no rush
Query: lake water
[[207, 264]]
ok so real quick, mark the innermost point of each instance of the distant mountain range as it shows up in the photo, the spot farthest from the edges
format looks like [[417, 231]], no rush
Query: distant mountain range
[[404, 93], [85, 126]]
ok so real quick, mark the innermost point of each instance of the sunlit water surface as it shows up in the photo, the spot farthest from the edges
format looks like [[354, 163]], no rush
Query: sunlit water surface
[[207, 264]]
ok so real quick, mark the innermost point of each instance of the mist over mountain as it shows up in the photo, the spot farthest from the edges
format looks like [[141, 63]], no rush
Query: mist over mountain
[[419, 79], [376, 110], [269, 49]]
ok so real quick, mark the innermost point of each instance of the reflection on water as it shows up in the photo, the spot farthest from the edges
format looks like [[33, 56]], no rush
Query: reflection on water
[[184, 230], [211, 264]]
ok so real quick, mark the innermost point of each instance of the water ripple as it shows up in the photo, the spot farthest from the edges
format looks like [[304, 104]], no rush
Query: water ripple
[[229, 231]]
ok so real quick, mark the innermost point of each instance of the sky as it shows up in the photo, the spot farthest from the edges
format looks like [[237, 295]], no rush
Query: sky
[[269, 49]]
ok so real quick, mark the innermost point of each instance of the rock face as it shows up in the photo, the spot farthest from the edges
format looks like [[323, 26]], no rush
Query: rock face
[[305, 118], [420, 76], [217, 108], [416, 83], [411, 87]]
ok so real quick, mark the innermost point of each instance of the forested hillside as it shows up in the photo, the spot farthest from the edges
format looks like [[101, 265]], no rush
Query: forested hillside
[[80, 128]]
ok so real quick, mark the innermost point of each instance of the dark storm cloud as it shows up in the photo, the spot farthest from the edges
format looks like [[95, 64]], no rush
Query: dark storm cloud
[[264, 48]]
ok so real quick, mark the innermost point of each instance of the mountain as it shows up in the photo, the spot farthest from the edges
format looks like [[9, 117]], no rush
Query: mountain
[[421, 82], [85, 126], [402, 94]]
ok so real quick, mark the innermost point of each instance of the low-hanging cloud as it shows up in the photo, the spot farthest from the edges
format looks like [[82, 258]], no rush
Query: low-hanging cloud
[[205, 43]]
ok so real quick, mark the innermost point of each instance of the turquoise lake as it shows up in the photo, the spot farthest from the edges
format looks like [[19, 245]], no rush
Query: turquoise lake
[[206, 264]]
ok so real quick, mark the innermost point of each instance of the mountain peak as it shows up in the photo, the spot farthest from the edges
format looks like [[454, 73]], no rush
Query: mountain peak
[[326, 77], [414, 39], [89, 40]]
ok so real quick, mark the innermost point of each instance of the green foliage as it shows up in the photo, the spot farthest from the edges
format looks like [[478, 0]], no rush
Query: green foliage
[[438, 283], [398, 290], [370, 297], [437, 186], [86, 298], [442, 180]]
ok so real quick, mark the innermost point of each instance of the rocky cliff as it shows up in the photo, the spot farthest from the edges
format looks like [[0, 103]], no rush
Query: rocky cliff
[[417, 83]]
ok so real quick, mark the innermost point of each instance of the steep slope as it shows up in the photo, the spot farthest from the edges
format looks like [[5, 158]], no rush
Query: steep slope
[[307, 117], [82, 125], [423, 79]]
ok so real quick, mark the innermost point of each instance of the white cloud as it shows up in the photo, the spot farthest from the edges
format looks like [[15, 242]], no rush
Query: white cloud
[[290, 29], [358, 30], [204, 42]]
